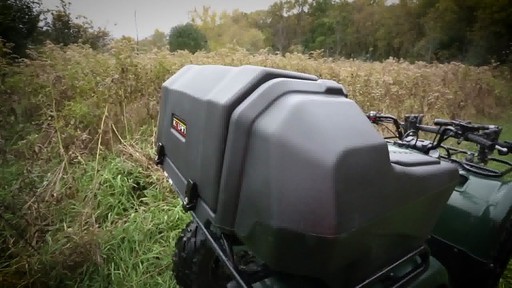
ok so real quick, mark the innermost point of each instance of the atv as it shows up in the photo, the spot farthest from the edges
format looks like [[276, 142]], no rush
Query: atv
[[289, 184]]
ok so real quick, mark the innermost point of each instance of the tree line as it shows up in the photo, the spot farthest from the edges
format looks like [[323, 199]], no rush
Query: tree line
[[25, 24], [476, 32]]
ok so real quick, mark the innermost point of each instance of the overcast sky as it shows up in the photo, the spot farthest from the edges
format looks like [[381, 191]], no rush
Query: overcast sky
[[118, 16]]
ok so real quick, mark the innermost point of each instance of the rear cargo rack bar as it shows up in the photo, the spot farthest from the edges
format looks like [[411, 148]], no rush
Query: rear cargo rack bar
[[424, 255], [220, 253]]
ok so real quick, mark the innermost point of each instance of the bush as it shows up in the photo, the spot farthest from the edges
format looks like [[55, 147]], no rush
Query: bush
[[187, 37]]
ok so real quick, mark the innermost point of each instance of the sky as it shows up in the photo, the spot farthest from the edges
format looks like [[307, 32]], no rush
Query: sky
[[118, 16]]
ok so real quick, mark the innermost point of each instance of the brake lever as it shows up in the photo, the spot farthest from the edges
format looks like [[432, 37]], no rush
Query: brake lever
[[504, 148], [501, 150]]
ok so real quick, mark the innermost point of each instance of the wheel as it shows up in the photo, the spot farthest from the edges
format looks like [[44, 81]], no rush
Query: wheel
[[195, 264], [503, 255]]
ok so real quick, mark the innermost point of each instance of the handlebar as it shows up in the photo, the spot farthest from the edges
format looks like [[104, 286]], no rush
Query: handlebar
[[466, 125], [377, 118], [429, 129], [485, 136], [479, 140], [442, 122]]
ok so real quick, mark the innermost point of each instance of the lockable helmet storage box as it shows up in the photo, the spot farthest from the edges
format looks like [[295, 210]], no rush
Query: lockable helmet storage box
[[293, 168]]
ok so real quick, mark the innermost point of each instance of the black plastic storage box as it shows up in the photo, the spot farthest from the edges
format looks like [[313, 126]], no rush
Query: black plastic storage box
[[293, 168]]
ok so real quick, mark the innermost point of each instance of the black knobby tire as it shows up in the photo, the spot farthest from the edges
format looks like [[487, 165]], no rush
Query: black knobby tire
[[503, 254], [195, 264]]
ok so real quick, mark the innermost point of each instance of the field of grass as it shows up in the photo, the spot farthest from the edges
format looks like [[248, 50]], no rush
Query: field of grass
[[81, 202]]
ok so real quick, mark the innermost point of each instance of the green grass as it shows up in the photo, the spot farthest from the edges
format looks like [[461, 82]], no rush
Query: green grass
[[138, 220], [131, 217], [113, 224], [111, 221]]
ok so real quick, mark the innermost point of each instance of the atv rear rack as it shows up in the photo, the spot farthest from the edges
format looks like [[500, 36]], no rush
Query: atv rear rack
[[418, 258]]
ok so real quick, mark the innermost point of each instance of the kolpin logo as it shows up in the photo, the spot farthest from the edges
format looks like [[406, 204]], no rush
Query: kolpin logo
[[179, 126]]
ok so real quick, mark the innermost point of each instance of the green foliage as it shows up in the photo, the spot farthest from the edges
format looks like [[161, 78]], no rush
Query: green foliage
[[325, 33], [19, 21], [63, 29], [490, 37], [187, 37], [225, 29], [23, 24], [473, 32], [158, 40]]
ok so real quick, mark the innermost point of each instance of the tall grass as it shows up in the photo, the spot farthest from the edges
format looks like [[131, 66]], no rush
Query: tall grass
[[82, 202]]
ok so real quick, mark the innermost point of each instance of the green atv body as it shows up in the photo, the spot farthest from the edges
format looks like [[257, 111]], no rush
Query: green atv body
[[473, 236]]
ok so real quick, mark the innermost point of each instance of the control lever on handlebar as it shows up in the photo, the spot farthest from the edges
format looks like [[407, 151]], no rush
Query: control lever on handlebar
[[377, 118], [504, 148]]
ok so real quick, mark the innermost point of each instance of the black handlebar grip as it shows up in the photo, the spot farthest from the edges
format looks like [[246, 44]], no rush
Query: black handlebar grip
[[478, 140], [429, 129], [442, 122]]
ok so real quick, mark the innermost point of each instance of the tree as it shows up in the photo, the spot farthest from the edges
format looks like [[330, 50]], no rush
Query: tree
[[399, 31], [205, 20], [236, 30], [158, 40], [280, 28], [322, 33], [187, 37], [491, 37], [19, 21], [63, 30], [225, 29]]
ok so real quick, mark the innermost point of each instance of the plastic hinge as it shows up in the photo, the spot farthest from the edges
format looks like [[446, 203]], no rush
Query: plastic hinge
[[191, 196], [160, 154]]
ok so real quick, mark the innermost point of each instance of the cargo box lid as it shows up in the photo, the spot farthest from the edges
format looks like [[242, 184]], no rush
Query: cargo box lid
[[195, 108]]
